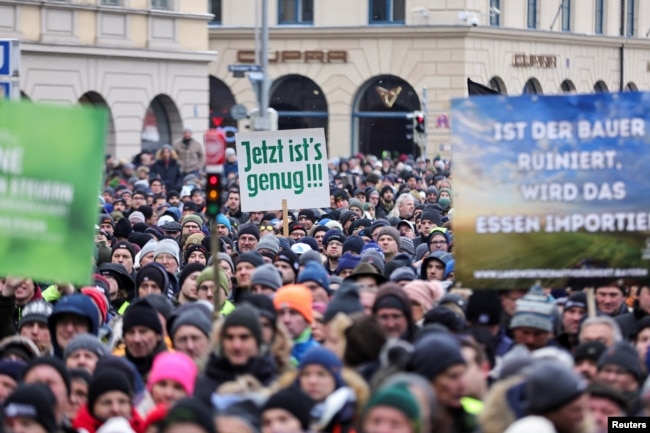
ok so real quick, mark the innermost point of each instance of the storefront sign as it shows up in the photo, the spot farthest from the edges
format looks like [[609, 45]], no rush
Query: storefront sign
[[534, 61], [297, 56]]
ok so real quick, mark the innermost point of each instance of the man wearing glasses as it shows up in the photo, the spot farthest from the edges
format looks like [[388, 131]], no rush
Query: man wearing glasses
[[439, 240]]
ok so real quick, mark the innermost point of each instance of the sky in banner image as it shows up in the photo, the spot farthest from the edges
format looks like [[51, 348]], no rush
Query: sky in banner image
[[49, 184], [542, 183], [276, 165]]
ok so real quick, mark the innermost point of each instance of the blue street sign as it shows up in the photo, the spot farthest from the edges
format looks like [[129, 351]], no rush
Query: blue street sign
[[9, 53], [5, 90], [244, 68]]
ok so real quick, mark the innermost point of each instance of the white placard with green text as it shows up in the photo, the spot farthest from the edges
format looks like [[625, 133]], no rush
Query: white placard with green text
[[277, 165]]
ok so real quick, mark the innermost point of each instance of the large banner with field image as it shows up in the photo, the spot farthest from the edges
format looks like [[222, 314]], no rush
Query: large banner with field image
[[551, 188]]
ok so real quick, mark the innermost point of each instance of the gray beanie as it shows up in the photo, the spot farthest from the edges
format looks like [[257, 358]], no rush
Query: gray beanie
[[149, 247], [88, 342], [375, 259], [390, 231], [310, 256], [192, 318], [267, 276], [404, 273], [270, 243], [168, 246], [406, 245], [227, 258], [546, 395], [431, 189]]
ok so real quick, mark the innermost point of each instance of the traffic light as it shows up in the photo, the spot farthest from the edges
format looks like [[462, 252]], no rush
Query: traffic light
[[419, 122], [213, 195], [409, 128]]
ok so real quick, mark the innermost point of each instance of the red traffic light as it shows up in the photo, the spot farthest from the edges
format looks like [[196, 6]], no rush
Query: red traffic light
[[213, 180]]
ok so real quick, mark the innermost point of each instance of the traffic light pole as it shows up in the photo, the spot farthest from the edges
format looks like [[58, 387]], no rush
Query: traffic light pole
[[212, 208]]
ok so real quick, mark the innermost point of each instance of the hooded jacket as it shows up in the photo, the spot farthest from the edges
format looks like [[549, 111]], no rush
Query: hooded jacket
[[86, 422], [78, 304]]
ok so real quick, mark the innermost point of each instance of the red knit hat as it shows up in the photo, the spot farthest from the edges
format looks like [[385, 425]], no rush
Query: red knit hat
[[297, 297], [99, 299]]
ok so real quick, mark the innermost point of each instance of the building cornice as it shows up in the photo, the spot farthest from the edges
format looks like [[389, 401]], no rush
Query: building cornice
[[109, 9], [115, 52], [437, 32]]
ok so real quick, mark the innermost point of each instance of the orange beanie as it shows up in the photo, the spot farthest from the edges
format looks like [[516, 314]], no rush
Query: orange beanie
[[297, 297]]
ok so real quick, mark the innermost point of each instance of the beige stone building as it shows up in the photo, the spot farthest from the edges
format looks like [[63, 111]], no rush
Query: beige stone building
[[359, 67], [145, 60]]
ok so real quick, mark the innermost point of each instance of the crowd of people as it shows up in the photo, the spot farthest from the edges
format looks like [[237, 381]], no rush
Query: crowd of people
[[351, 323]]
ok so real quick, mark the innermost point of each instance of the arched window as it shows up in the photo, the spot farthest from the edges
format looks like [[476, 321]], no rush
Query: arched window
[[496, 83], [97, 100], [300, 103], [533, 87], [162, 124], [382, 119], [600, 87], [631, 87], [567, 86]]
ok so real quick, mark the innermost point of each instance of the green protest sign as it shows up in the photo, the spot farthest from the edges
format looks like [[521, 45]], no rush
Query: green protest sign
[[282, 165], [50, 173]]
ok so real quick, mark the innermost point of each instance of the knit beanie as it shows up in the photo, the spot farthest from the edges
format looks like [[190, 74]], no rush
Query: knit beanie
[[208, 274], [175, 366], [392, 296], [168, 246], [192, 248], [533, 311], [578, 299], [353, 244], [589, 350], [35, 311], [222, 219], [623, 355], [147, 248], [420, 293], [444, 315], [249, 229], [192, 318], [399, 397], [247, 317], [390, 231], [161, 304], [404, 273], [297, 297], [347, 261], [294, 401], [268, 243], [189, 411], [99, 297], [406, 245], [333, 235], [345, 300], [315, 272], [288, 256], [431, 215], [267, 276], [310, 256], [142, 313], [253, 258], [87, 342], [435, 353], [152, 272], [228, 259], [124, 245], [551, 385], [355, 203], [375, 258], [484, 308], [189, 270], [12, 369], [326, 359], [122, 228], [192, 218], [36, 402], [263, 304], [53, 362], [107, 380]]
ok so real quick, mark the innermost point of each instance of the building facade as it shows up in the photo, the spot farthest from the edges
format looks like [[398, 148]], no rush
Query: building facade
[[359, 68], [146, 61]]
